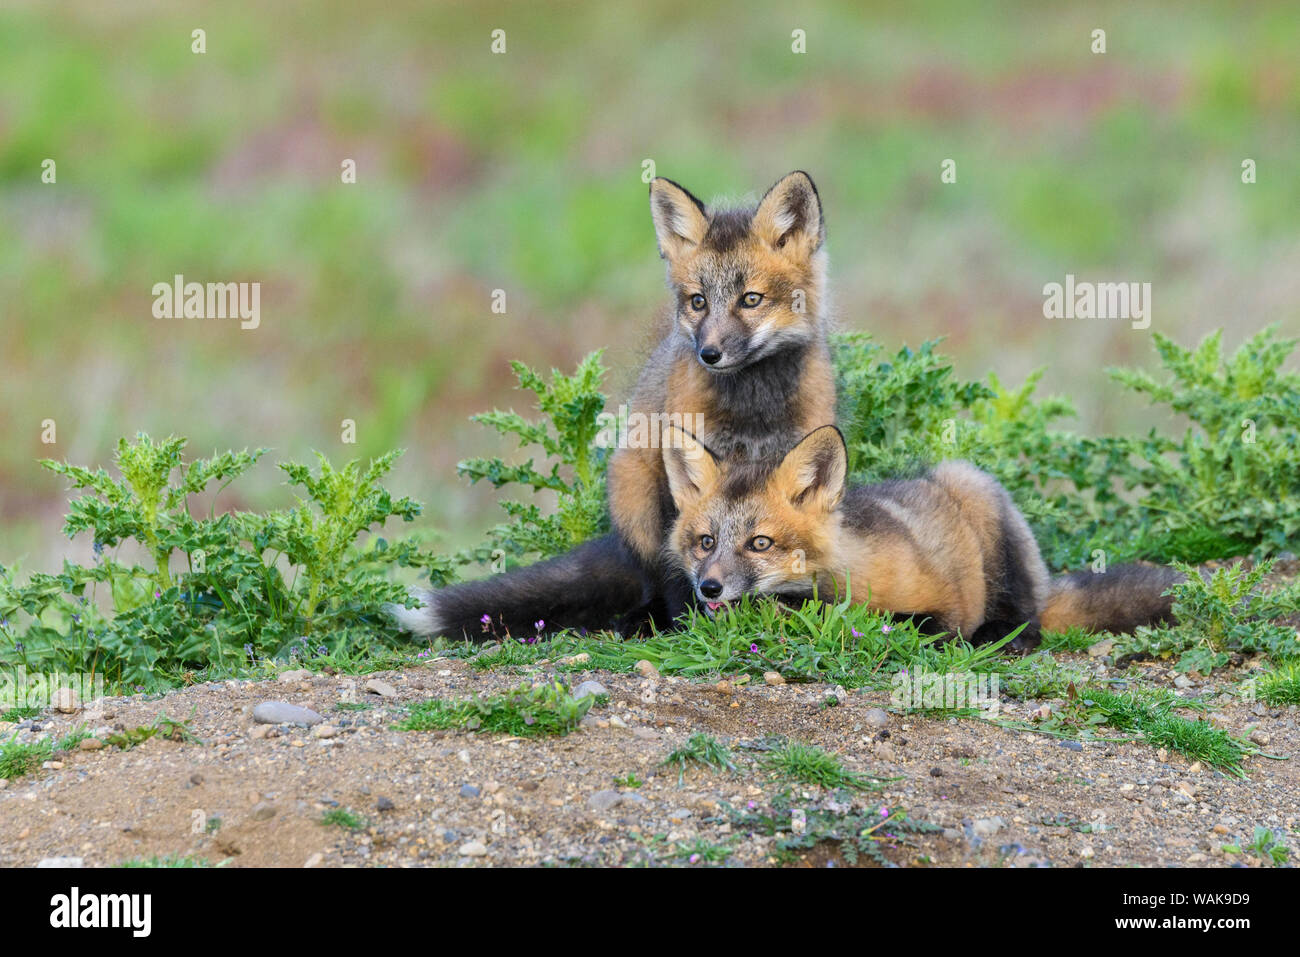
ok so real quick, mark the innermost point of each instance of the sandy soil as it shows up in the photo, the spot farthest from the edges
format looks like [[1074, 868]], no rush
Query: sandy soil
[[254, 795]]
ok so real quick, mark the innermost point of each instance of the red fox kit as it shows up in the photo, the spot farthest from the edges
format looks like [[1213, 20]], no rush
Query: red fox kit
[[744, 349], [743, 356], [950, 545]]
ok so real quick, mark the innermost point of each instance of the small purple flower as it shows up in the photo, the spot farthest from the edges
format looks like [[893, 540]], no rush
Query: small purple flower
[[751, 805], [884, 811], [539, 624], [486, 620], [753, 648], [886, 629], [695, 858], [157, 593], [856, 633]]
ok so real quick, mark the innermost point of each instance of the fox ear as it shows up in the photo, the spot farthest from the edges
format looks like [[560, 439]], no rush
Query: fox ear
[[691, 467], [680, 219], [789, 216], [813, 473]]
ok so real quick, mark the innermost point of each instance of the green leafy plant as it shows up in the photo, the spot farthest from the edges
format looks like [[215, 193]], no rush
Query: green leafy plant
[[1230, 484], [175, 593], [1237, 468], [571, 408], [248, 586], [1269, 846], [1221, 614], [699, 851], [856, 832]]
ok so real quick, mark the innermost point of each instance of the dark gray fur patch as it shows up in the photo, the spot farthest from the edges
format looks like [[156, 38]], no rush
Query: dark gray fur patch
[[727, 229], [760, 404]]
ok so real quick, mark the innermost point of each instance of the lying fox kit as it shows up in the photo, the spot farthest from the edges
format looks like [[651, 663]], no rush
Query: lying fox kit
[[950, 547]]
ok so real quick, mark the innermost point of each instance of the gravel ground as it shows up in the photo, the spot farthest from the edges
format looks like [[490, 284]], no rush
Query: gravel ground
[[254, 794]]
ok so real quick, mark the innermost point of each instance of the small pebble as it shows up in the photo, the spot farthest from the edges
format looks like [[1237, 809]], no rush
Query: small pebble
[[592, 688], [604, 800], [647, 670], [281, 712]]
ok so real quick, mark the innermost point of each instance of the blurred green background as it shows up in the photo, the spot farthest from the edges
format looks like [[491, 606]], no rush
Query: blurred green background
[[522, 172]]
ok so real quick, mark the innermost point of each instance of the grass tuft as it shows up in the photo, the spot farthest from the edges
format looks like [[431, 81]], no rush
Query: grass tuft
[[18, 759], [1281, 686], [700, 750], [526, 711], [799, 763], [344, 818]]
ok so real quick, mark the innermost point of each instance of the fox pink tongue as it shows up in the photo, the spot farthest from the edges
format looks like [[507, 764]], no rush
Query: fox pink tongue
[[714, 605]]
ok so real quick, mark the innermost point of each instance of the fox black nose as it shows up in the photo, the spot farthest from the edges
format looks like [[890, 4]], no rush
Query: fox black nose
[[710, 588], [710, 355]]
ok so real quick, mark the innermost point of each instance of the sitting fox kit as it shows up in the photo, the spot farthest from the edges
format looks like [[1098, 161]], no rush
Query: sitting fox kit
[[949, 547], [743, 353]]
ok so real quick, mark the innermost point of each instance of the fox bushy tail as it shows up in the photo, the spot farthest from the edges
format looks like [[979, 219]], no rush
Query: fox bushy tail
[[1117, 600], [600, 585]]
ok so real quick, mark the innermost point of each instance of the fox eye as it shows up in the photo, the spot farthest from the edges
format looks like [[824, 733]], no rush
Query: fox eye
[[751, 299], [698, 302], [706, 542], [760, 543]]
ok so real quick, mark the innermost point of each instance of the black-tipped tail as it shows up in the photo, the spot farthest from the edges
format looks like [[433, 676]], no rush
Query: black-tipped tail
[[1118, 600], [600, 585]]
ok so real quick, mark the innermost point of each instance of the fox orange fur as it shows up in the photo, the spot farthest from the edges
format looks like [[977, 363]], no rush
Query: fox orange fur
[[743, 348], [950, 546], [742, 354]]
